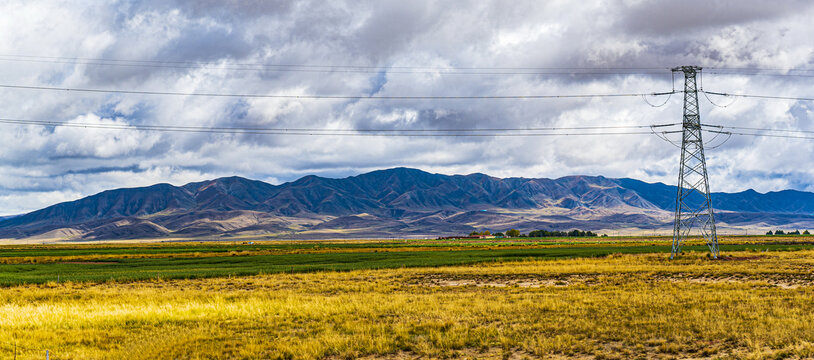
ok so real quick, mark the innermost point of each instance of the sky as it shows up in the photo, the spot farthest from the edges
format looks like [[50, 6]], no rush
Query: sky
[[391, 48]]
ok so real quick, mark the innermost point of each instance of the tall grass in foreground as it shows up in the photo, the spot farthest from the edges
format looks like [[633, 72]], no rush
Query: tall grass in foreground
[[623, 306]]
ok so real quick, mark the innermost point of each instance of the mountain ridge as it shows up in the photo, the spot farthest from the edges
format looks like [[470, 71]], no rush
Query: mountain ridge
[[390, 202]]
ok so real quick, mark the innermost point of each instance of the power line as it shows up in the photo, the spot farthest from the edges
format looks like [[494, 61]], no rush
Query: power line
[[756, 69], [760, 129], [761, 135], [439, 71], [670, 95], [273, 67], [350, 97], [760, 96], [710, 141], [282, 129], [759, 74], [706, 95], [197, 128], [504, 132], [663, 136]]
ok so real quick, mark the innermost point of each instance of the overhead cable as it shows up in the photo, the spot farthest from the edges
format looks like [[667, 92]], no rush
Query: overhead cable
[[759, 129], [754, 69], [706, 95], [758, 74], [351, 132], [439, 71], [236, 129], [663, 136], [331, 68], [306, 96], [761, 134], [725, 140], [760, 96], [644, 97]]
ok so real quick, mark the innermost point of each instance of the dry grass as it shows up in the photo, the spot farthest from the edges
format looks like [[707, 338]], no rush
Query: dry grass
[[369, 245], [620, 307]]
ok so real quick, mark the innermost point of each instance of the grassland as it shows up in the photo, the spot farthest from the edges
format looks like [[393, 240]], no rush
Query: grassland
[[553, 299], [110, 262]]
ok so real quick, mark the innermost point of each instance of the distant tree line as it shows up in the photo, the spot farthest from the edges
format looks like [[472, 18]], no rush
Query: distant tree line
[[514, 233], [781, 232], [546, 233]]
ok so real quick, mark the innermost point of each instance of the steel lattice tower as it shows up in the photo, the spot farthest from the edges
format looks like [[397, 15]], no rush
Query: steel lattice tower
[[693, 205]]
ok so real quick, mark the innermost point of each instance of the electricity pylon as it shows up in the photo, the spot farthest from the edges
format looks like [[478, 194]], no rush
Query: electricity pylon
[[693, 205]]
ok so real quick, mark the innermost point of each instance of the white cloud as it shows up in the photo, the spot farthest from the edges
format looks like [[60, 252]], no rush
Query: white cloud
[[45, 165]]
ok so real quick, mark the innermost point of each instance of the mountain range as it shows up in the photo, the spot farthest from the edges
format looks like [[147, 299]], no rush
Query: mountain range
[[399, 202]]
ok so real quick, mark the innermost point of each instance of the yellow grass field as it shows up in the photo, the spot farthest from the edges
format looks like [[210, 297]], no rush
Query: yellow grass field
[[756, 305]]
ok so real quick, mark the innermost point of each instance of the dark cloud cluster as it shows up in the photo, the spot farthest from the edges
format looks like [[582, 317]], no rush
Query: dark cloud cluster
[[226, 47]]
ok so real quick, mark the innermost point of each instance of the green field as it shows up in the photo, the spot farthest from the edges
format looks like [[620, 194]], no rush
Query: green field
[[80, 263]]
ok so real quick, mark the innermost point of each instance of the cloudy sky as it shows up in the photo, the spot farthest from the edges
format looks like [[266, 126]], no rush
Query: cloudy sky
[[389, 48]]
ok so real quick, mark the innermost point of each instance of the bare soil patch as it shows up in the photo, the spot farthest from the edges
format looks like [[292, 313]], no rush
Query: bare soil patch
[[526, 281], [784, 281], [469, 353], [741, 258], [613, 350], [781, 280]]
